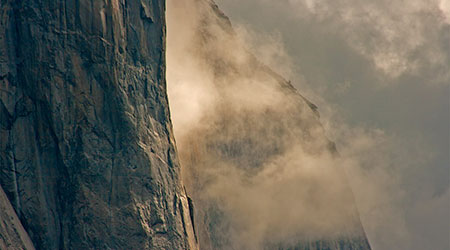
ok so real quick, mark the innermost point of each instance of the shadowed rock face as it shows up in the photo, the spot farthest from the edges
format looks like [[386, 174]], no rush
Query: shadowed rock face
[[87, 155], [257, 161]]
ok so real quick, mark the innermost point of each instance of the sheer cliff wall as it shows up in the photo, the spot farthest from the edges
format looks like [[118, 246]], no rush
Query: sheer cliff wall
[[87, 154]]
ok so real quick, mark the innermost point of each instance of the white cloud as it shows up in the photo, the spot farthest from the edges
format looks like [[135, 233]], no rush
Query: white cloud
[[398, 37], [444, 6]]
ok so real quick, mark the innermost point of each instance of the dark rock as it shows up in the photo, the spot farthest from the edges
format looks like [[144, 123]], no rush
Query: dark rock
[[87, 155]]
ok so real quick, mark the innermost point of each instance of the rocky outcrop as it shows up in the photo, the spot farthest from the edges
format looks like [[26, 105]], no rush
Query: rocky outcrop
[[87, 154], [262, 172]]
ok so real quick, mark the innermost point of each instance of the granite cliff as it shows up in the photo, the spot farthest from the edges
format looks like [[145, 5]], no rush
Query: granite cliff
[[255, 156], [87, 154]]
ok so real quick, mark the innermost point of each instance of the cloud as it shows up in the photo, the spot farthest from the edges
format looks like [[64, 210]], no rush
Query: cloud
[[444, 6], [238, 132], [398, 37]]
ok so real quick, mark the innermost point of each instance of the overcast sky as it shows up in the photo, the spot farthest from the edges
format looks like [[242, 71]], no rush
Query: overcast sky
[[380, 66]]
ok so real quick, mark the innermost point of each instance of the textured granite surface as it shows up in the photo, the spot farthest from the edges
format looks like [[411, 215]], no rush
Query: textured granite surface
[[87, 154]]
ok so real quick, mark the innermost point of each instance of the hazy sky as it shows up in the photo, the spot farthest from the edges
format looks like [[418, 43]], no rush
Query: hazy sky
[[380, 66]]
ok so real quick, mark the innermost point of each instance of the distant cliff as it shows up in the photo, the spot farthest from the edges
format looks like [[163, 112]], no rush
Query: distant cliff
[[87, 154], [256, 158]]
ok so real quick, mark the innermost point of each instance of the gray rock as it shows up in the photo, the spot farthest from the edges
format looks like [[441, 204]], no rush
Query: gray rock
[[87, 154]]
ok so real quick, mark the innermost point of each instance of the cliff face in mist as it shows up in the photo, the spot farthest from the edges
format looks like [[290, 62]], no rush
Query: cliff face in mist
[[255, 156], [87, 154]]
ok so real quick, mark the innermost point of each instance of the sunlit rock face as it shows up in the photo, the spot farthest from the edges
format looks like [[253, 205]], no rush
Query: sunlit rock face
[[13, 235], [87, 154], [255, 157]]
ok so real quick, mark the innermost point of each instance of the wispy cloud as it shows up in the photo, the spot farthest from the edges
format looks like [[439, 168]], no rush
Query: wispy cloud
[[230, 116]]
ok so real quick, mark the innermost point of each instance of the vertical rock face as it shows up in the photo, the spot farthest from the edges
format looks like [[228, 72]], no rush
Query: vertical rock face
[[87, 155], [261, 170]]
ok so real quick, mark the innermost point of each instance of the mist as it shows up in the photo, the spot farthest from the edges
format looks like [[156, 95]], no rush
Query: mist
[[256, 155]]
